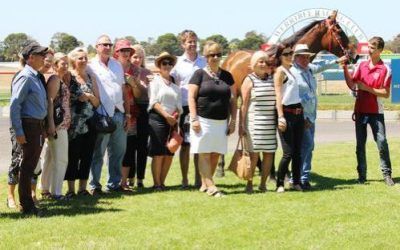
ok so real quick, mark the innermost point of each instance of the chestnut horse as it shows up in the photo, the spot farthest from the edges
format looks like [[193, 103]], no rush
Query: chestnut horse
[[319, 35]]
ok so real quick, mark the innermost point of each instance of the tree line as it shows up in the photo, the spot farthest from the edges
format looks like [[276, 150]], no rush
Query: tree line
[[64, 42]]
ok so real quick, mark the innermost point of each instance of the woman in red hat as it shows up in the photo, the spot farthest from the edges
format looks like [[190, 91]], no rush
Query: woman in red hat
[[122, 52]]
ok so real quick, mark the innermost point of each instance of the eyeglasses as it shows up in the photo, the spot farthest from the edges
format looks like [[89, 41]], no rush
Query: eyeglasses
[[215, 55], [125, 50], [165, 63], [287, 54], [106, 44]]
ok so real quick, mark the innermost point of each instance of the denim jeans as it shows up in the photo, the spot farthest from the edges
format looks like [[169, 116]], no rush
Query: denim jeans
[[115, 143], [306, 153], [377, 124]]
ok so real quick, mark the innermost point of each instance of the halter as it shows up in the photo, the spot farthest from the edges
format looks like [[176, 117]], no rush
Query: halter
[[331, 27]]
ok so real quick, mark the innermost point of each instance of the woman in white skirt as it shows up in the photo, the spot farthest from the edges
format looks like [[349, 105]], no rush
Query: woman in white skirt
[[258, 116], [212, 106]]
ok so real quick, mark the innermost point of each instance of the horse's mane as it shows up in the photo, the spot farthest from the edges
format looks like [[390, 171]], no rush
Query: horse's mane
[[290, 41]]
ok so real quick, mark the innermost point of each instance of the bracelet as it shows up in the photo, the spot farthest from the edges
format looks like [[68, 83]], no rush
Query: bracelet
[[282, 120], [128, 115], [193, 119]]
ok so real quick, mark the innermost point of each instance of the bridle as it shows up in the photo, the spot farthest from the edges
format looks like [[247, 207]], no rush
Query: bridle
[[333, 32]]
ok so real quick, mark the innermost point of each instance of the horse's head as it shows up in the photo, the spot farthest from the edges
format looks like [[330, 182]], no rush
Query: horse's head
[[329, 36]]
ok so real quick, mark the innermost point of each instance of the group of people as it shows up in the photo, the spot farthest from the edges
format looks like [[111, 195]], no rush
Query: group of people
[[190, 94]]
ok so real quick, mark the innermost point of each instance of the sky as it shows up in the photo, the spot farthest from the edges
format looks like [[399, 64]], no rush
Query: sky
[[86, 20]]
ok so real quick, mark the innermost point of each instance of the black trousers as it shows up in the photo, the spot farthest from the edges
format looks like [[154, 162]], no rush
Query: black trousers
[[33, 130], [80, 153], [141, 150], [291, 141]]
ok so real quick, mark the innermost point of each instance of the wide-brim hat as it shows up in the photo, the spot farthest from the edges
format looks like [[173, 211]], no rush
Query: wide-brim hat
[[302, 49], [164, 55], [123, 44]]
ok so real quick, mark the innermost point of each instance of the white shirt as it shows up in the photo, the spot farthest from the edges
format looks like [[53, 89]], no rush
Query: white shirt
[[290, 90], [167, 95], [110, 79], [183, 71]]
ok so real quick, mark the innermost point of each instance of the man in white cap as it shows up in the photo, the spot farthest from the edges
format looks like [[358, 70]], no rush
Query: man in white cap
[[304, 72]]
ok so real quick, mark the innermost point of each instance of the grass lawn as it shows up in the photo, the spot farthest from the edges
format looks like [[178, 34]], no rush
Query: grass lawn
[[337, 214], [346, 102]]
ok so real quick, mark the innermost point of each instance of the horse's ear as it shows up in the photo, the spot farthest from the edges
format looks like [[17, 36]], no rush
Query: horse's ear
[[333, 15]]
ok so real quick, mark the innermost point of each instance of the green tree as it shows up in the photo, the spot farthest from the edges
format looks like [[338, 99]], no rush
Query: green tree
[[252, 41], [150, 47], [129, 38], [13, 44], [63, 42], [233, 45], [221, 40], [91, 51], [170, 43], [393, 45]]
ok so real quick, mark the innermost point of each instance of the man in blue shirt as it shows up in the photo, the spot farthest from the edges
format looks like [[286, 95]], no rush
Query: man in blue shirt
[[28, 109], [304, 72]]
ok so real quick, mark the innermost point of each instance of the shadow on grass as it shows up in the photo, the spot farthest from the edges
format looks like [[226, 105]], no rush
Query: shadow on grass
[[73, 207], [328, 183]]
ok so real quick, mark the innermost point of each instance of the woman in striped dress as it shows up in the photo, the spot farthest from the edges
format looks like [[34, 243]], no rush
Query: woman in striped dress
[[258, 116]]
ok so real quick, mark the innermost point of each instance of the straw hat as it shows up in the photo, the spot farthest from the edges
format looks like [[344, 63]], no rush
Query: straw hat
[[164, 55], [302, 49]]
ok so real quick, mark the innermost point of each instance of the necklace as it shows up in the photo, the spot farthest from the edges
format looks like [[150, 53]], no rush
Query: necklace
[[213, 75]]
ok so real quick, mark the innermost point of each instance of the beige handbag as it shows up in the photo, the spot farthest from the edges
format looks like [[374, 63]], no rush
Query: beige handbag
[[240, 163]]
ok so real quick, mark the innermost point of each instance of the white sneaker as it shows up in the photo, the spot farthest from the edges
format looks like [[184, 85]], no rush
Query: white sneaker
[[280, 189]]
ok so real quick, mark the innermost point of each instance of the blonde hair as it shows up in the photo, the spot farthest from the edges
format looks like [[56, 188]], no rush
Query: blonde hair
[[140, 50], [73, 55], [209, 45], [257, 56], [57, 58]]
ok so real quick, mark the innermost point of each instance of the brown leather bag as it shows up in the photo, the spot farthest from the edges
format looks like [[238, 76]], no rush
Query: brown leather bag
[[240, 162]]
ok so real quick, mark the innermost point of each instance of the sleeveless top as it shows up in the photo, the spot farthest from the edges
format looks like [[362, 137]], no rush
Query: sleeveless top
[[261, 115], [290, 89], [65, 103]]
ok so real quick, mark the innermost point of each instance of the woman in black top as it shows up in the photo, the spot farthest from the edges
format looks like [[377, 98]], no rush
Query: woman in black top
[[212, 102]]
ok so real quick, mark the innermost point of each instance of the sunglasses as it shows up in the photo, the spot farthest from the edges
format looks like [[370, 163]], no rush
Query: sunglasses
[[287, 54], [106, 44], [215, 55], [165, 63], [125, 50]]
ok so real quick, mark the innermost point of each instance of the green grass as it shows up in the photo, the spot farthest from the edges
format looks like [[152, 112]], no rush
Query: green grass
[[346, 102], [337, 214], [325, 102]]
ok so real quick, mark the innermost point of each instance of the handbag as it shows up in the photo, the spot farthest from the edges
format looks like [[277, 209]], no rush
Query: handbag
[[240, 162], [174, 140], [103, 123], [58, 111]]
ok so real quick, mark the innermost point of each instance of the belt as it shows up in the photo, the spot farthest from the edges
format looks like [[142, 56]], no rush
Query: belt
[[32, 120], [295, 111]]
